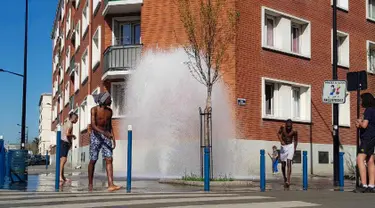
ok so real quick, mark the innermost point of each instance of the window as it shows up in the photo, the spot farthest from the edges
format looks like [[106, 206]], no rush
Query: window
[[118, 99], [371, 9], [342, 49], [371, 56], [344, 112], [67, 93], [67, 29], [85, 18], [84, 66], [286, 100], [297, 157], [286, 33], [67, 58], [96, 48], [269, 99], [96, 91], [78, 34], [76, 77], [61, 73], [296, 29], [95, 6], [77, 3], [61, 105], [296, 102], [127, 32], [342, 4], [323, 157], [83, 115], [270, 30]]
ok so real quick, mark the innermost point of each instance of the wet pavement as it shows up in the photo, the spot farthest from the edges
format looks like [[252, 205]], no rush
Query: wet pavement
[[42, 180]]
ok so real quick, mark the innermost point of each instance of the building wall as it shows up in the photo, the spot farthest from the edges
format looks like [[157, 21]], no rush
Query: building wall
[[247, 62], [263, 63]]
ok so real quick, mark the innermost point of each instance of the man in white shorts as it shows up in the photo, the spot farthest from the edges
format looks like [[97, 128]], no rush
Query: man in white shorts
[[289, 140]]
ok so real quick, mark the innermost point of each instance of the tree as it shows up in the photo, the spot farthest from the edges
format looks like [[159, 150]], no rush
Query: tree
[[210, 30], [34, 146]]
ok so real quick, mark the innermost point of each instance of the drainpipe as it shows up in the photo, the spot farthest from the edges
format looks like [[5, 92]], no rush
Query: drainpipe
[[90, 47]]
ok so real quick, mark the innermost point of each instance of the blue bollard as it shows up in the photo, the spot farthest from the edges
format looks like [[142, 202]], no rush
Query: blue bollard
[[262, 171], [47, 159], [206, 168], [58, 144], [129, 171], [2, 162], [304, 170], [341, 171]]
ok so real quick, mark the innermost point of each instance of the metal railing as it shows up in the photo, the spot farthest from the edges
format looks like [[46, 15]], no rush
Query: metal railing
[[119, 58]]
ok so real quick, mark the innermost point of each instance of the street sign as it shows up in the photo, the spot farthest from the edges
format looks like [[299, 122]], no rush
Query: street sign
[[334, 91]]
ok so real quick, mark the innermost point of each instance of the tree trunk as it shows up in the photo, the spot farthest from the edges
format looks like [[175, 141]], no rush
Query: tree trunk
[[207, 116]]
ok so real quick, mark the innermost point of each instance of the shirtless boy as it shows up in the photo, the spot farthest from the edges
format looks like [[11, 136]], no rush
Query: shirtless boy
[[102, 138]]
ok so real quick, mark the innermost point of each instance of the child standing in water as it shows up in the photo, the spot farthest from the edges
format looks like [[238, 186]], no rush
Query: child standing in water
[[275, 159]]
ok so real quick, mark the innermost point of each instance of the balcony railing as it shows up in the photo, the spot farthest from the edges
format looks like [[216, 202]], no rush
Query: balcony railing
[[121, 58]]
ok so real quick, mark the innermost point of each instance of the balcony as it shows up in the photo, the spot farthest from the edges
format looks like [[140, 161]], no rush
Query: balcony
[[120, 60], [122, 6]]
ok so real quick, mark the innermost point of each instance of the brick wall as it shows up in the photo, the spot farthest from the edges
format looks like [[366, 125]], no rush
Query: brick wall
[[247, 62]]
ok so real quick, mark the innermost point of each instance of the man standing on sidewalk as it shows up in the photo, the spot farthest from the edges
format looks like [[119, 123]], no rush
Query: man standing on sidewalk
[[66, 143], [102, 138], [288, 138]]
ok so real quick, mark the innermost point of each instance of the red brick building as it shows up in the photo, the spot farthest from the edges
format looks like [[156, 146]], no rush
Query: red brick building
[[280, 58]]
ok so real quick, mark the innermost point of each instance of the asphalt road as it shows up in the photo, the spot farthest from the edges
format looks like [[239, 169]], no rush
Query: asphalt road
[[280, 199]]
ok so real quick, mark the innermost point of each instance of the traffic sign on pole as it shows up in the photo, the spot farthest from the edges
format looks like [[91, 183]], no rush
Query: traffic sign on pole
[[334, 91]]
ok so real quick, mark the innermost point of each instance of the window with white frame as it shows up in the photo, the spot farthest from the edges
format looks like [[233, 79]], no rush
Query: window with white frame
[[84, 66], [85, 17], [343, 58], [62, 40], [67, 58], [67, 29], [83, 115], [371, 9], [96, 91], [286, 33], [78, 34], [77, 3], [342, 4], [96, 42], [61, 104], [76, 77], [371, 56], [126, 31], [61, 73], [344, 112], [118, 99], [95, 6], [286, 100], [67, 93]]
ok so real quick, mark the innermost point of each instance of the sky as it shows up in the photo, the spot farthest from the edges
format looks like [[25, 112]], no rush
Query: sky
[[12, 18]]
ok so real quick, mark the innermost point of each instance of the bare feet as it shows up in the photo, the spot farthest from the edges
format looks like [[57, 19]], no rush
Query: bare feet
[[114, 188], [90, 187]]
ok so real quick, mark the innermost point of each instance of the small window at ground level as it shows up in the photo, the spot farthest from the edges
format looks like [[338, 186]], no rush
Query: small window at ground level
[[323, 157]]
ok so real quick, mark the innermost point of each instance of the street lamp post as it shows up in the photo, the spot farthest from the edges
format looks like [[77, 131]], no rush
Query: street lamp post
[[335, 132], [24, 78], [23, 124], [27, 134]]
